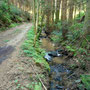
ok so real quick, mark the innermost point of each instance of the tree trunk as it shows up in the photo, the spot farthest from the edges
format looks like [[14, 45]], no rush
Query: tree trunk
[[34, 15], [64, 10], [58, 10], [64, 19], [36, 24], [87, 20], [53, 10], [75, 9], [48, 16], [71, 9]]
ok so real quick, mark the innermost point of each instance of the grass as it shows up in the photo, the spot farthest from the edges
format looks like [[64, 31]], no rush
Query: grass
[[10, 26], [6, 40], [86, 81], [56, 36], [34, 86], [16, 31], [35, 52], [2, 29], [14, 25]]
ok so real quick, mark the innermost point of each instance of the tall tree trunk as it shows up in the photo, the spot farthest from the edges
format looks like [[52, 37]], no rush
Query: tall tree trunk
[[87, 19], [34, 15], [48, 16], [58, 10], [64, 19], [53, 10], [36, 24], [64, 10], [75, 9], [71, 9]]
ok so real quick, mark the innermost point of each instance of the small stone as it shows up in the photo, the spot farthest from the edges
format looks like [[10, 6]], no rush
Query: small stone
[[59, 87], [78, 81], [47, 57]]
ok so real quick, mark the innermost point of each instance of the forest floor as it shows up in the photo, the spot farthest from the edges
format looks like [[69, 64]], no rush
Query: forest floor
[[13, 70]]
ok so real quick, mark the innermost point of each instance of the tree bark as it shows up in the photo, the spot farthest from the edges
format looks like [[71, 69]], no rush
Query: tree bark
[[58, 10], [71, 9], [64, 19], [87, 20], [53, 10], [64, 10], [36, 24], [48, 16], [34, 15]]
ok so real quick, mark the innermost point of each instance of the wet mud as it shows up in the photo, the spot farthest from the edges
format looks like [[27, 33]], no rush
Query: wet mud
[[5, 51]]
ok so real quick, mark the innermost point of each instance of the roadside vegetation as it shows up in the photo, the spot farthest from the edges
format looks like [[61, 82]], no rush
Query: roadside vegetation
[[36, 52], [11, 15]]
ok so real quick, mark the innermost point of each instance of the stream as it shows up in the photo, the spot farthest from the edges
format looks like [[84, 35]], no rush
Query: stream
[[58, 71]]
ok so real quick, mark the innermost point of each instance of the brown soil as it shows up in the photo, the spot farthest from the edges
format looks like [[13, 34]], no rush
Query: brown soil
[[11, 39], [16, 72]]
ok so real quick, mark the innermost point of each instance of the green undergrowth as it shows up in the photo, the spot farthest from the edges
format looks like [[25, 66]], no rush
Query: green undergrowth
[[10, 15], [36, 52], [14, 25], [56, 36], [29, 86], [86, 81], [76, 44]]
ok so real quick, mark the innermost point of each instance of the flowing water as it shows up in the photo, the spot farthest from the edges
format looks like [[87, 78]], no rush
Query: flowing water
[[49, 46], [58, 70], [46, 44]]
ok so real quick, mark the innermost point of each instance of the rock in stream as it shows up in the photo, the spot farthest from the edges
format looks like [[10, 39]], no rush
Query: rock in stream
[[52, 54], [56, 70]]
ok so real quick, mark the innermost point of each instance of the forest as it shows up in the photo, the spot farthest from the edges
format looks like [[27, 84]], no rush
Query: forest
[[44, 44]]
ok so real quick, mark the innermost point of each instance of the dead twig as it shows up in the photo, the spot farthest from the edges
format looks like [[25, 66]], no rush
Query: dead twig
[[38, 77], [86, 40], [71, 75]]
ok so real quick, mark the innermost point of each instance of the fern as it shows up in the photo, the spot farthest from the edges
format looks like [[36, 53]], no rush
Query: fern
[[70, 49], [36, 52], [86, 81], [38, 87]]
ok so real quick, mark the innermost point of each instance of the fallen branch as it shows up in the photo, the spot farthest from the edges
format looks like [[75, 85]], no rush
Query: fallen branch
[[86, 40], [38, 77], [71, 75]]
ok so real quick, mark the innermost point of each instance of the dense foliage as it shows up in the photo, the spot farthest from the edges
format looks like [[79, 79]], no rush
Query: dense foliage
[[10, 15]]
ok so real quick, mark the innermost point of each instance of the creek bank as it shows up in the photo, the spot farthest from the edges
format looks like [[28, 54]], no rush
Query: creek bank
[[57, 70], [61, 76]]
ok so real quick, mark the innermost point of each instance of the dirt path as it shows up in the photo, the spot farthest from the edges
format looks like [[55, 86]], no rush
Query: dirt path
[[14, 35], [11, 67], [11, 39]]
